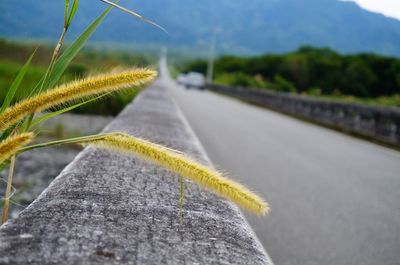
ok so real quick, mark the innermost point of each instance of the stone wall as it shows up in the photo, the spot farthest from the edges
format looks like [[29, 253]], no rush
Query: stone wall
[[379, 123], [109, 208]]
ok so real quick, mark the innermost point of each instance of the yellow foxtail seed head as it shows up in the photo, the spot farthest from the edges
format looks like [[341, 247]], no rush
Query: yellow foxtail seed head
[[186, 167], [79, 89], [12, 144]]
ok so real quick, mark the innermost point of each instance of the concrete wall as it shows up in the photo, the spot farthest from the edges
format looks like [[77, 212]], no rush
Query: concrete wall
[[108, 208], [379, 123]]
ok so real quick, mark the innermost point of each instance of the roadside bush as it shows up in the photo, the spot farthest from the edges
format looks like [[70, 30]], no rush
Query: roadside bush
[[281, 84], [362, 75], [240, 79]]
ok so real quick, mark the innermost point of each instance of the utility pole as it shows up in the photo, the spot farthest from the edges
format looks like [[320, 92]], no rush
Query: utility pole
[[210, 66]]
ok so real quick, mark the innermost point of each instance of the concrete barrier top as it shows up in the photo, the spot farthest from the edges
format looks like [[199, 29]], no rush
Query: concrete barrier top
[[109, 208]]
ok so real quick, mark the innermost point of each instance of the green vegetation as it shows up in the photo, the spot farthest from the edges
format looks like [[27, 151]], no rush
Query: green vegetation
[[90, 61], [320, 72]]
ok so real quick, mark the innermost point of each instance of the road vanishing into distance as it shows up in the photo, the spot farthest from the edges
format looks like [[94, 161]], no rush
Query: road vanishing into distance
[[335, 199]]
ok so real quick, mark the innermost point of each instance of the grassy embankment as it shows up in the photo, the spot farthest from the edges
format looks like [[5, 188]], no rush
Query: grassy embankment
[[322, 73], [13, 55]]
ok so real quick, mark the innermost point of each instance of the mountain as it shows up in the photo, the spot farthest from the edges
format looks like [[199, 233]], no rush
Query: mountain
[[248, 27]]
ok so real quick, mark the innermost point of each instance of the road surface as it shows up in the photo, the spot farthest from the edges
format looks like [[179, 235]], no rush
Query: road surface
[[335, 199]]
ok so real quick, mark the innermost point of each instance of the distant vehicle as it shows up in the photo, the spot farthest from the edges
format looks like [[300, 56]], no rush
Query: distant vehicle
[[192, 80], [181, 79]]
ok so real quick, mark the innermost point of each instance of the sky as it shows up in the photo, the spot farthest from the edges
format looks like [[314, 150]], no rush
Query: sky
[[390, 8]]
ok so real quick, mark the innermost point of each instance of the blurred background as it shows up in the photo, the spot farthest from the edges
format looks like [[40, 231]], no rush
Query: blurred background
[[334, 196]]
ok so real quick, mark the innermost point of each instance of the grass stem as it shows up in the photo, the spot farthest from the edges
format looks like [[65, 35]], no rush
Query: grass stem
[[181, 198], [53, 60], [6, 204], [75, 140]]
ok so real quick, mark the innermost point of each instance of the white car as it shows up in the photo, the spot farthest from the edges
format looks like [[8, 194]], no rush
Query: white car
[[192, 80]]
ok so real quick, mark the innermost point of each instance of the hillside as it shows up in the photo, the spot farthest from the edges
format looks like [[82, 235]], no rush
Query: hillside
[[246, 26]]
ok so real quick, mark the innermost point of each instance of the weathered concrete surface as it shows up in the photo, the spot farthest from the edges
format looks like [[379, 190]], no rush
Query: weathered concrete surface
[[34, 171], [107, 208]]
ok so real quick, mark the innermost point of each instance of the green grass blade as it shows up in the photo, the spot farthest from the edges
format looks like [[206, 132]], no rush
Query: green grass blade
[[16, 83], [72, 12], [61, 111], [3, 166], [135, 15], [70, 53], [66, 12]]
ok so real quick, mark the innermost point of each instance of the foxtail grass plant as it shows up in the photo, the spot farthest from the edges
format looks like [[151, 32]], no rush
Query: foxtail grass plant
[[17, 119], [76, 90]]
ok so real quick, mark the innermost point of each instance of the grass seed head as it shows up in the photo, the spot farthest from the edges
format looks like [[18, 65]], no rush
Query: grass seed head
[[76, 90], [186, 167], [12, 144]]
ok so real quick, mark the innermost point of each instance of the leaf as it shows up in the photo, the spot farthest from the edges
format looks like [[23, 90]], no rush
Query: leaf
[[135, 15], [3, 166], [70, 53], [16, 83], [66, 12], [72, 12], [6, 133], [56, 113]]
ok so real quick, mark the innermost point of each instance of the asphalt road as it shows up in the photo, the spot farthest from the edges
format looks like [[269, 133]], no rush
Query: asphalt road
[[335, 199]]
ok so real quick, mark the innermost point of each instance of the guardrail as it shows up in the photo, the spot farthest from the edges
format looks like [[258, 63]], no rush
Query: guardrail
[[379, 123], [108, 208]]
